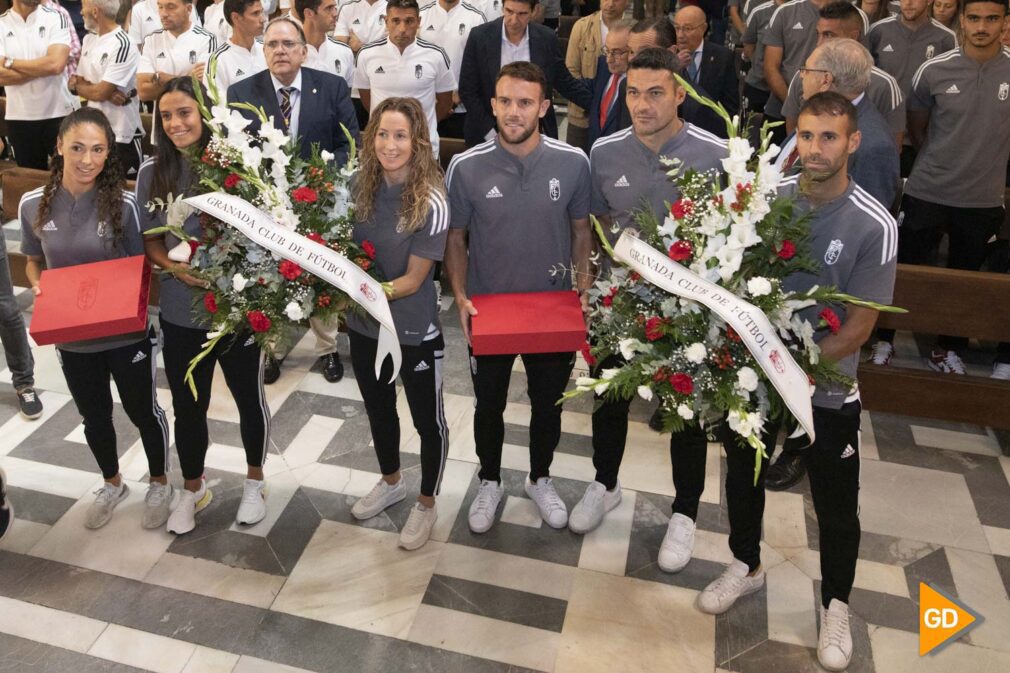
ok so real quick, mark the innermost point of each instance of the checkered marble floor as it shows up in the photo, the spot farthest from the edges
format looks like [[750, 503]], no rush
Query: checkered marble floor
[[311, 589]]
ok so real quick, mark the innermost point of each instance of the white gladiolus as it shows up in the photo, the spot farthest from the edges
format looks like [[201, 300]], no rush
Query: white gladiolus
[[239, 282], [645, 392], [685, 412], [608, 374], [759, 286], [584, 383], [326, 156], [294, 311], [628, 348], [747, 379], [745, 424], [696, 353]]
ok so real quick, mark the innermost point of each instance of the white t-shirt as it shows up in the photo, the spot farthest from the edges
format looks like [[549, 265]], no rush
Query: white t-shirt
[[367, 21], [113, 58], [450, 30], [164, 52], [491, 9], [421, 71], [234, 63], [144, 20], [334, 57], [214, 21], [42, 97]]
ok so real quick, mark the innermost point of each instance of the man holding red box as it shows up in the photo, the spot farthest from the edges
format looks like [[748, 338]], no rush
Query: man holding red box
[[520, 223]]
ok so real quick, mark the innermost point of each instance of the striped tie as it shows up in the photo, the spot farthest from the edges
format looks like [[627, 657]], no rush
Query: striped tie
[[286, 104]]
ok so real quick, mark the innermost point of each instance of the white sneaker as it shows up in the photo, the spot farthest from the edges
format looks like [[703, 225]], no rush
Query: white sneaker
[[552, 508], [484, 506], [418, 527], [881, 353], [183, 517], [945, 362], [106, 499], [379, 498], [733, 583], [253, 507], [157, 505], [595, 503], [1001, 371], [678, 544], [834, 643]]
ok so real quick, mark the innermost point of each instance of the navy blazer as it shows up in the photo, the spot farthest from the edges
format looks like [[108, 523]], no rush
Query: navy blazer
[[325, 105], [717, 80], [481, 63], [618, 118]]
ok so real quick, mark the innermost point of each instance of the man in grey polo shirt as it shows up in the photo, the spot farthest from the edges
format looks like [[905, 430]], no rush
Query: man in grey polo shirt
[[627, 172], [520, 214], [853, 239], [958, 180], [755, 86]]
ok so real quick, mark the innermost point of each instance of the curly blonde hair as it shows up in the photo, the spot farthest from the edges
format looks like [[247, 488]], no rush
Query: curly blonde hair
[[425, 174]]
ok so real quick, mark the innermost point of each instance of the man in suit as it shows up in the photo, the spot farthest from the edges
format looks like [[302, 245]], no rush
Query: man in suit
[[309, 105], [609, 112], [305, 103], [506, 40], [709, 67]]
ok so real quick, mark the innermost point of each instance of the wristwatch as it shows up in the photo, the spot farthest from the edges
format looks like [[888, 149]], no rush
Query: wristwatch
[[9, 62]]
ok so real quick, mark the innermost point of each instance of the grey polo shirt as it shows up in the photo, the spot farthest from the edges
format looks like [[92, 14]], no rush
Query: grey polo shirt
[[900, 51], [884, 92], [627, 174], [72, 235], [964, 158], [757, 25], [518, 214], [855, 241], [416, 315], [181, 304]]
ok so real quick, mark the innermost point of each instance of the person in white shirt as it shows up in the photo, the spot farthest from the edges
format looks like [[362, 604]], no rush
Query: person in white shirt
[[214, 20], [447, 23], [34, 49], [179, 48], [361, 22], [403, 65], [107, 78], [325, 52], [144, 20], [242, 55]]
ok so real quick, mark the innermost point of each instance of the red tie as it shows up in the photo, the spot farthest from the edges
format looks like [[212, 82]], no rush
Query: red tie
[[608, 97]]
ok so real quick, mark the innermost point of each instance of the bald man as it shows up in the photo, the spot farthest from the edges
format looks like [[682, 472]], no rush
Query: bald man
[[708, 66]]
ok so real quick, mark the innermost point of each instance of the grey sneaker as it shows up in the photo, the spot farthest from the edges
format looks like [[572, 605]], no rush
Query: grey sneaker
[[157, 505], [29, 402], [106, 499]]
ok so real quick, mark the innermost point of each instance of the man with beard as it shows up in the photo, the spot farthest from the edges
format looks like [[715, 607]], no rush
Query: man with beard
[[34, 48], [627, 173], [180, 48], [857, 239], [325, 52], [957, 183], [520, 210]]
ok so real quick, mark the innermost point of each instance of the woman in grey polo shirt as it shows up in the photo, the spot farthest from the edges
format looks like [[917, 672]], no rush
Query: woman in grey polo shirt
[[403, 221], [83, 215]]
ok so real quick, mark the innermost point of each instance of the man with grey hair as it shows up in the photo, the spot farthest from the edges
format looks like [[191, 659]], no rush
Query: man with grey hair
[[107, 78]]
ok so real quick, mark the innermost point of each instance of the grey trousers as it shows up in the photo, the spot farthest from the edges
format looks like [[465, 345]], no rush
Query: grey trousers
[[12, 328]]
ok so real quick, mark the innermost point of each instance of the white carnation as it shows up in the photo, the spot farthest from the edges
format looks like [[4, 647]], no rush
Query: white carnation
[[685, 412], [645, 392], [326, 156], [294, 311], [239, 282], [747, 379], [628, 347], [759, 287], [696, 353]]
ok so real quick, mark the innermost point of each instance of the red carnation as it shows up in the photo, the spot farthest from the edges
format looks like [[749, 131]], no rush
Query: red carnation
[[232, 180], [680, 251], [608, 299], [682, 383], [210, 302], [681, 208], [654, 328], [305, 195], [258, 321], [193, 245], [788, 250], [831, 319], [660, 375], [369, 249], [317, 238], [323, 301], [289, 269], [587, 355]]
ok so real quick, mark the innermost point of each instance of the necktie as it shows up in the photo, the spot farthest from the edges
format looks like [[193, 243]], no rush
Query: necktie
[[608, 98], [286, 104], [692, 68]]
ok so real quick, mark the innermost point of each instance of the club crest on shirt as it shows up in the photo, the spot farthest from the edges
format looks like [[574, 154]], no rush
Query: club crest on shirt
[[555, 187], [103, 60], [337, 66], [462, 28], [930, 50], [102, 229], [192, 57], [42, 32], [417, 71], [1004, 91], [833, 252]]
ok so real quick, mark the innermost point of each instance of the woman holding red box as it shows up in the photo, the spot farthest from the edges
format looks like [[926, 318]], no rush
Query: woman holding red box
[[403, 222], [81, 215], [184, 323]]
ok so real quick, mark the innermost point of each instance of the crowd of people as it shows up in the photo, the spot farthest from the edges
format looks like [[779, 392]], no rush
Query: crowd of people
[[885, 107]]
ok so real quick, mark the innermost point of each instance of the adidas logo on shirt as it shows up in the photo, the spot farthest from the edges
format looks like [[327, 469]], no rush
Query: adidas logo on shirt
[[422, 366], [798, 26], [139, 357], [953, 89], [239, 72], [10, 33], [848, 452], [149, 19], [161, 55], [495, 193], [380, 71], [622, 182], [357, 22], [888, 48], [49, 226]]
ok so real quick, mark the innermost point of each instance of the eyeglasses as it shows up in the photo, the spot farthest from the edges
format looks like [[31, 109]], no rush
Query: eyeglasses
[[288, 45], [805, 70], [616, 53]]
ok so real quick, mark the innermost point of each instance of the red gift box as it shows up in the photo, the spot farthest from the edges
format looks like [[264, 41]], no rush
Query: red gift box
[[91, 301], [527, 322]]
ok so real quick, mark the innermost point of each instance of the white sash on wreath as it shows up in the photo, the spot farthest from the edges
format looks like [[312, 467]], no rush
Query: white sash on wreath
[[747, 320], [317, 259]]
